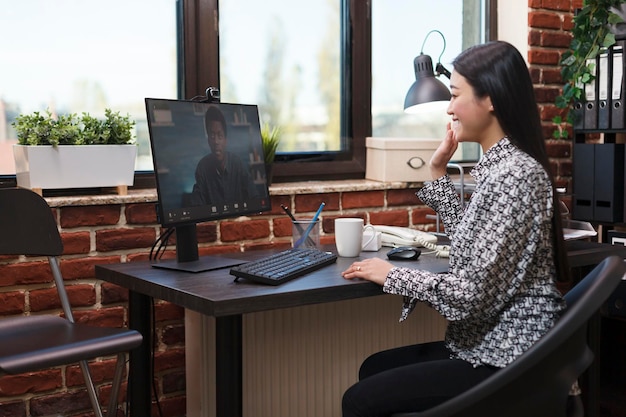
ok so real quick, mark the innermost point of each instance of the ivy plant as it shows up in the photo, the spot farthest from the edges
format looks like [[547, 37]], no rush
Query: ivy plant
[[591, 35]]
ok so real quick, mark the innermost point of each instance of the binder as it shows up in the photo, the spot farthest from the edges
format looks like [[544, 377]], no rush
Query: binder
[[590, 110], [583, 181], [618, 85], [608, 179], [604, 85], [577, 115]]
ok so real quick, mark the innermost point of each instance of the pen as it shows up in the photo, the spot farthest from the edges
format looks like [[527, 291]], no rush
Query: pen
[[308, 230], [298, 225]]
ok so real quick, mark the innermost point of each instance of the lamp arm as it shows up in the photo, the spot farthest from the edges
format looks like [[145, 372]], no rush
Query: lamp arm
[[442, 37]]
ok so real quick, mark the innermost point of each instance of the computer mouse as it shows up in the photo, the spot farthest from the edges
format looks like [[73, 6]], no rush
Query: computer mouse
[[404, 253]]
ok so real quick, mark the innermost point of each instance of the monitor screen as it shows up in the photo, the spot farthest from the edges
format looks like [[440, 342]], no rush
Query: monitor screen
[[208, 164], [208, 160]]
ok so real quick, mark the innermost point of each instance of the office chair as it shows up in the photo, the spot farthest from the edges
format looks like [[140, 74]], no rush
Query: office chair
[[537, 383], [35, 342]]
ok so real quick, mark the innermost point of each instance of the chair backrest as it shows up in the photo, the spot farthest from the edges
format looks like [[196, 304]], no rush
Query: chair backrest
[[29, 228], [27, 224], [538, 382]]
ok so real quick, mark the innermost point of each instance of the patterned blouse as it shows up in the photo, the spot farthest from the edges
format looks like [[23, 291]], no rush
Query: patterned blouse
[[499, 296]]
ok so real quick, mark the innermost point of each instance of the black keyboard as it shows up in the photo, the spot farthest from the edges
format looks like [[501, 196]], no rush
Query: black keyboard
[[283, 266]]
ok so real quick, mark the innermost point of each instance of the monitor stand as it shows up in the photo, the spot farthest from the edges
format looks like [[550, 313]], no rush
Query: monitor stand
[[187, 258]]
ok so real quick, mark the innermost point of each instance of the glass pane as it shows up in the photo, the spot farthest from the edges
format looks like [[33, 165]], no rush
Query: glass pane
[[283, 55], [85, 56], [399, 29]]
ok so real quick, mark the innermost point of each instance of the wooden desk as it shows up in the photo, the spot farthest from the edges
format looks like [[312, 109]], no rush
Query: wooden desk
[[215, 294]]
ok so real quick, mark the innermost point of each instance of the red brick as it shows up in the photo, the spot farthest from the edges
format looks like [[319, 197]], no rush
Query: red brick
[[118, 239], [76, 242], [404, 197], [232, 231], [78, 268], [418, 216], [556, 39], [70, 402], [11, 409], [276, 201], [551, 76], [25, 273], [111, 293], [100, 371], [82, 295], [173, 335], [562, 5], [546, 94], [544, 20], [171, 359], [12, 302], [206, 232], [543, 56], [391, 218], [282, 226], [309, 203], [559, 149], [141, 213], [105, 317], [46, 380], [361, 199], [89, 216]]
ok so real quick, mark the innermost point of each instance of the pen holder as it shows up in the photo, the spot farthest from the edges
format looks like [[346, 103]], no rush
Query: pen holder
[[299, 229]]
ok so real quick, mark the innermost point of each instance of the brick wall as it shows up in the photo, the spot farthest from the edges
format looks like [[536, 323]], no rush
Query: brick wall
[[549, 25], [112, 233], [96, 234]]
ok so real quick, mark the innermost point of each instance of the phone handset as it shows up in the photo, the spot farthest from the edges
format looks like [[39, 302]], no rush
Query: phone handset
[[394, 236]]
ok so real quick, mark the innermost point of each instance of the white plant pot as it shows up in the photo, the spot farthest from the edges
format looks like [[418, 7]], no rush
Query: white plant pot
[[74, 166]]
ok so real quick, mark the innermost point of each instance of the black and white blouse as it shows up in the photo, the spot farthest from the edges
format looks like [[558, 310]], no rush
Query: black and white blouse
[[500, 294]]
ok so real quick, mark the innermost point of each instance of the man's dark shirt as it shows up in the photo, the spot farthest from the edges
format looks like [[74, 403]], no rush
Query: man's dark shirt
[[214, 187]]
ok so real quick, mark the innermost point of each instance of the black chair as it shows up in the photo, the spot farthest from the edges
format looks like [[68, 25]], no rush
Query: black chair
[[537, 384], [35, 342]]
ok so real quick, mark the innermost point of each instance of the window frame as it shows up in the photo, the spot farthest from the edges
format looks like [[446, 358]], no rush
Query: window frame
[[201, 63], [198, 65]]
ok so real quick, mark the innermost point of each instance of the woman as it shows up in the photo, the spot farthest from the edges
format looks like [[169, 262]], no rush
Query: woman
[[507, 250]]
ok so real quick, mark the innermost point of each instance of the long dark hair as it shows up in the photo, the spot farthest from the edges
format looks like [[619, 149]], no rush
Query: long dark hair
[[496, 69]]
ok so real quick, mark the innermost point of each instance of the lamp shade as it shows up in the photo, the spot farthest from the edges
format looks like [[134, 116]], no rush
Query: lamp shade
[[426, 88]]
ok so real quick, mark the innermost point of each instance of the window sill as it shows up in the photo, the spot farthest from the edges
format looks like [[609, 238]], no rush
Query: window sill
[[291, 188]]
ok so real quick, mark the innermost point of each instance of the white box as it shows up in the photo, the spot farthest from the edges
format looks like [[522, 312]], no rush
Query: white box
[[399, 159]]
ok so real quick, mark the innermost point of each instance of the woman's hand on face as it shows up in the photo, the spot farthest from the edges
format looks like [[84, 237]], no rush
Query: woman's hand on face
[[374, 270], [442, 155]]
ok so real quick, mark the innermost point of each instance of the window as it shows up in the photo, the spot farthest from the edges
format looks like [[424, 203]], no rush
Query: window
[[85, 57], [329, 72], [289, 57], [400, 29]]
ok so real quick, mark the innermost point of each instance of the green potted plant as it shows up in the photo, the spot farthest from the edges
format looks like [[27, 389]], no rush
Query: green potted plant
[[591, 35], [270, 137], [51, 152]]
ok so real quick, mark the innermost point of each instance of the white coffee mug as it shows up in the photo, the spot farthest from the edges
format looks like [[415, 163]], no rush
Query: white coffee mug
[[349, 236]]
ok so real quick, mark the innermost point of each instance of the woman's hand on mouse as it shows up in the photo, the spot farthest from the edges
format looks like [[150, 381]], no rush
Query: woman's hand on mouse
[[374, 270]]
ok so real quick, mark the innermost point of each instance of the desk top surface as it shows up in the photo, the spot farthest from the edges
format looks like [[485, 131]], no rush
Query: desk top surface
[[215, 293]]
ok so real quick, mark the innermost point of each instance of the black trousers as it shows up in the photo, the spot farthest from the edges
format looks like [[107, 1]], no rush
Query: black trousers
[[410, 378]]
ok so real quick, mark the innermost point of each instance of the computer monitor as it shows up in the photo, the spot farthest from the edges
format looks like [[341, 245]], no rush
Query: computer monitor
[[209, 165]]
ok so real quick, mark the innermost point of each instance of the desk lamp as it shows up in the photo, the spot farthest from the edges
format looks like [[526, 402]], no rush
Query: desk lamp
[[427, 90]]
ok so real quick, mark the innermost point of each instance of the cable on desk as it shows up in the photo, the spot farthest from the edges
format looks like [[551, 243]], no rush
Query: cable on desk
[[161, 241]]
